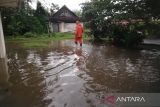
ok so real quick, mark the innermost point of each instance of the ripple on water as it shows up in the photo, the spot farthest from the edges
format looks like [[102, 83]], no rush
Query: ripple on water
[[66, 75]]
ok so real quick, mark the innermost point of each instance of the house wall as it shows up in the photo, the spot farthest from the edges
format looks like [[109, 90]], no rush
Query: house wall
[[63, 27], [55, 27], [67, 27]]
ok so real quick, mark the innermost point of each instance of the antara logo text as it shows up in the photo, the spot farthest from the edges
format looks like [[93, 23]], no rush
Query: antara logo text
[[128, 99]]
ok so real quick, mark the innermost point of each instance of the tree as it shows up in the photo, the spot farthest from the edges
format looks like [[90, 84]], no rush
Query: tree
[[19, 22], [78, 13], [42, 15], [104, 16], [96, 13], [153, 8], [54, 8]]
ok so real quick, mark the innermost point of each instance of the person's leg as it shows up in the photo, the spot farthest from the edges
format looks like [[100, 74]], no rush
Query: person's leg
[[80, 41], [76, 40]]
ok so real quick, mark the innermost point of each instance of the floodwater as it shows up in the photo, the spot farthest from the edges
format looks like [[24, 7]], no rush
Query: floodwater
[[64, 75]]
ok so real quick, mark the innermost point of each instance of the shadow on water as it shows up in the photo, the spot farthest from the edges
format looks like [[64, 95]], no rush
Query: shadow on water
[[65, 75]]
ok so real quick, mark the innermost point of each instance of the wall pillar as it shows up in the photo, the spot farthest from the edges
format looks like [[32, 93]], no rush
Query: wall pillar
[[2, 43]]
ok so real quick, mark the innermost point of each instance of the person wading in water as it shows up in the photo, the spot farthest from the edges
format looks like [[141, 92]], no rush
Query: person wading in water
[[78, 33]]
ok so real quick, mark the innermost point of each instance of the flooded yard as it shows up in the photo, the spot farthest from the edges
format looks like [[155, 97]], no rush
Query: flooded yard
[[65, 75]]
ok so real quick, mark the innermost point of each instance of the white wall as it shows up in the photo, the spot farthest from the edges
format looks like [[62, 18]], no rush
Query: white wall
[[69, 27], [64, 27], [61, 27]]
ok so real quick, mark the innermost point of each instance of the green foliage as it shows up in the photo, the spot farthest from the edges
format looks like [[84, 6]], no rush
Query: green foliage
[[29, 34], [87, 32], [78, 13], [101, 17], [42, 16], [125, 36], [19, 22], [153, 8], [133, 38], [153, 29]]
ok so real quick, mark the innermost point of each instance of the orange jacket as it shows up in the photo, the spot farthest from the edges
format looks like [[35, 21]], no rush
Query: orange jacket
[[79, 30]]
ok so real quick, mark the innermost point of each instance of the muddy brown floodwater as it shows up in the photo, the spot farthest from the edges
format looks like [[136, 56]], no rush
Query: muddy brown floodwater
[[64, 75]]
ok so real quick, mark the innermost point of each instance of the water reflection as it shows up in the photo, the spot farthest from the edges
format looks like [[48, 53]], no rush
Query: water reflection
[[64, 75], [4, 78]]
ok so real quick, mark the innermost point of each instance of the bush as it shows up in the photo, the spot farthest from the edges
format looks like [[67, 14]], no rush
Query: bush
[[133, 38], [49, 34], [153, 30], [87, 33], [29, 34], [118, 36], [124, 35]]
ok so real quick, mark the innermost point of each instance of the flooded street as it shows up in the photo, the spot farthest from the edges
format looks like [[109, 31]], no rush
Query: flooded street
[[64, 75]]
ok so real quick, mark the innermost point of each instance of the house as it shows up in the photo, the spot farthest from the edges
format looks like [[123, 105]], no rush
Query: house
[[64, 20]]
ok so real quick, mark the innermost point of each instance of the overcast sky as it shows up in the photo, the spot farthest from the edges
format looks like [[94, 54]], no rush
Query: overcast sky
[[71, 4]]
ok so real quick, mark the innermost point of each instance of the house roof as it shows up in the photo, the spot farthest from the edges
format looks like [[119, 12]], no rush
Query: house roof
[[64, 15]]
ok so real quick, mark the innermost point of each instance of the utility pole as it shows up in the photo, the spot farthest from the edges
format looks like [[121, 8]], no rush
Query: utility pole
[[2, 43]]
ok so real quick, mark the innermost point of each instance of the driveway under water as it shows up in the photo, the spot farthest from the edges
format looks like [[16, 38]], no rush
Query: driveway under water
[[64, 75]]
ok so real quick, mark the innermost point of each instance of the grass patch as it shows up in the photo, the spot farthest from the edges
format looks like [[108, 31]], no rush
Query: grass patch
[[40, 41], [37, 42]]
